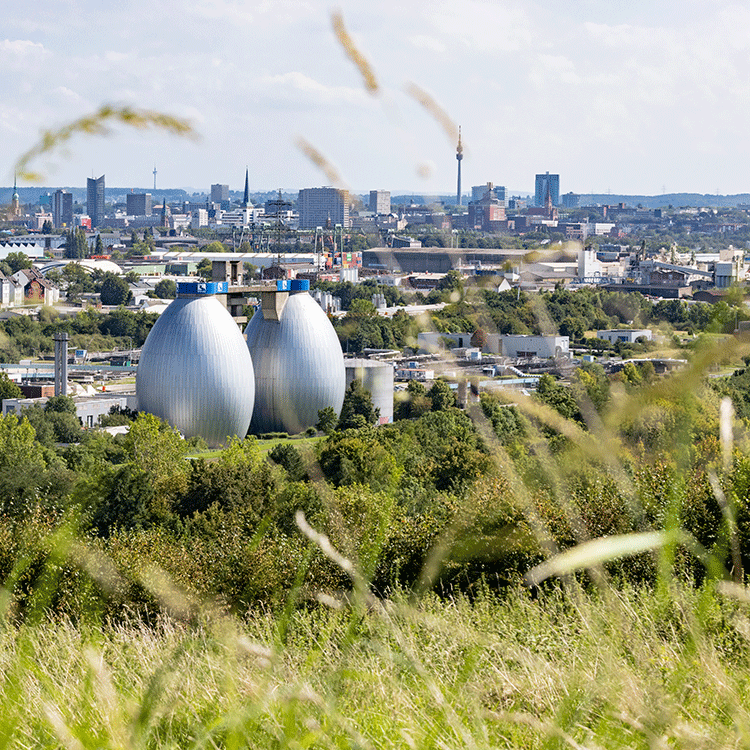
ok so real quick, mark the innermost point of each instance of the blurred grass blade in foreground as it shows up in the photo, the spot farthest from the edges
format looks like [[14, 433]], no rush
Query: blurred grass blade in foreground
[[98, 123]]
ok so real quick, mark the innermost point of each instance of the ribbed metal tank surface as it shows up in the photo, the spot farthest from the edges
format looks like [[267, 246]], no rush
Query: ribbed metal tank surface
[[299, 366], [195, 371]]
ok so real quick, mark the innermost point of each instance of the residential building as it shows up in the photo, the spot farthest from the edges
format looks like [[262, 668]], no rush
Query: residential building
[[320, 207], [61, 204], [95, 200], [547, 185], [380, 202], [36, 289], [138, 204], [571, 200]]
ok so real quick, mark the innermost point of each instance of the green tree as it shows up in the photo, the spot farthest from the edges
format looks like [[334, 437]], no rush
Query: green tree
[[60, 405], [286, 455], [166, 289], [214, 247], [412, 403], [99, 248], [357, 409], [17, 261], [47, 227], [204, 268], [8, 389], [114, 290], [327, 420], [441, 396]]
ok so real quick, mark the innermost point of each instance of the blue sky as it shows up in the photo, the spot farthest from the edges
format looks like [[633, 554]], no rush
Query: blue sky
[[632, 97]]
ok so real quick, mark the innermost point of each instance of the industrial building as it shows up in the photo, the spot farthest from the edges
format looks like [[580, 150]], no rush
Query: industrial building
[[299, 365], [625, 335], [195, 370]]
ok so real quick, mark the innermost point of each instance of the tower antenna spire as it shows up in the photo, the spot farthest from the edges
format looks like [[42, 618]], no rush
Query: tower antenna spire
[[459, 157], [154, 176]]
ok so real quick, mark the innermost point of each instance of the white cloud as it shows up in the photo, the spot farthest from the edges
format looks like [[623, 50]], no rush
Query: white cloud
[[22, 47]]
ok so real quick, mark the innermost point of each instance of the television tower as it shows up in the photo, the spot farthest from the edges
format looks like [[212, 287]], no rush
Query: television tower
[[154, 176], [459, 156]]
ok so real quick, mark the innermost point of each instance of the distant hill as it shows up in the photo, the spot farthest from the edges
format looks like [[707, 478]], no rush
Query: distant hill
[[693, 200]]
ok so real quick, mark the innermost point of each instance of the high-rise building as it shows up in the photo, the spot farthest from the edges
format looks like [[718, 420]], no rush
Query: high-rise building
[[547, 184], [138, 204], [479, 191], [571, 200], [316, 206], [219, 193], [95, 200], [380, 202], [62, 208]]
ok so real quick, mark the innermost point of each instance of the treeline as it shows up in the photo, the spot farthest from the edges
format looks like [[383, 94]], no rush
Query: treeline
[[22, 336]]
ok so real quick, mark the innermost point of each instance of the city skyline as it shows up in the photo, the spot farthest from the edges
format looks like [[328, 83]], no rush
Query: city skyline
[[636, 100]]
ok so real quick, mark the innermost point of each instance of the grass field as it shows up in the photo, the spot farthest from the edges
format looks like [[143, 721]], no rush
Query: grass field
[[632, 669]]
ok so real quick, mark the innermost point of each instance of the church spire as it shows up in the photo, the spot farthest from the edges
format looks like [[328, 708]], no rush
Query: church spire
[[246, 199]]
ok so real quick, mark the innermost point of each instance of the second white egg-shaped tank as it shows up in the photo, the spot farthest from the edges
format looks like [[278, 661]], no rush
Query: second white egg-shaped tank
[[195, 370], [299, 366]]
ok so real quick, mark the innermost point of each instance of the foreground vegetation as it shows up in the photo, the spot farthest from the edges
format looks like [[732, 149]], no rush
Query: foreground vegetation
[[559, 570], [625, 669]]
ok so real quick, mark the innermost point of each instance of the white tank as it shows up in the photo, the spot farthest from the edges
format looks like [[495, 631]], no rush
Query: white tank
[[195, 370], [299, 365]]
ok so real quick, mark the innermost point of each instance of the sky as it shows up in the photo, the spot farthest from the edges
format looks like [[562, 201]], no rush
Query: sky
[[629, 97]]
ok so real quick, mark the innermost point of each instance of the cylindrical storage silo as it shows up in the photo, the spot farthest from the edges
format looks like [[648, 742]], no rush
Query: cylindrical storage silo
[[299, 365], [377, 378], [195, 370]]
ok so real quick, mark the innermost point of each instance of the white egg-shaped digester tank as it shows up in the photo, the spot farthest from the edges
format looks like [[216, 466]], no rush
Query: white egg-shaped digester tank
[[195, 370], [299, 365]]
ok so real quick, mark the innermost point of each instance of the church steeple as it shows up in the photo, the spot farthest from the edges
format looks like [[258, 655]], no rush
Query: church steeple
[[15, 201], [246, 199]]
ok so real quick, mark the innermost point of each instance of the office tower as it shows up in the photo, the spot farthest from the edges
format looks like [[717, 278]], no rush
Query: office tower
[[138, 204], [380, 202], [62, 208], [95, 200], [316, 206], [571, 200], [547, 184], [219, 193]]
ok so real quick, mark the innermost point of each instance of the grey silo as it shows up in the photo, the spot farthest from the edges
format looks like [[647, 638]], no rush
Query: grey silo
[[195, 371], [299, 366]]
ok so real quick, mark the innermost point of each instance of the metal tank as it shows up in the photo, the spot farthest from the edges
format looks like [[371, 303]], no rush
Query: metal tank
[[195, 370], [377, 378], [299, 365]]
